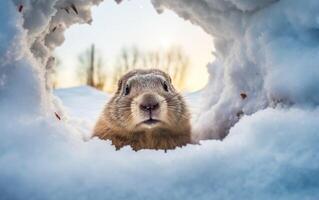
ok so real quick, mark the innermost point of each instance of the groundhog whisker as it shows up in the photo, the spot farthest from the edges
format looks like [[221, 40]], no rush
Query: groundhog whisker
[[180, 114], [168, 99], [176, 111], [118, 105], [172, 97], [130, 116]]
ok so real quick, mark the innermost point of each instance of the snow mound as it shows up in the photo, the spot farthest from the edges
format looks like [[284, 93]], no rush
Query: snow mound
[[270, 155], [267, 52]]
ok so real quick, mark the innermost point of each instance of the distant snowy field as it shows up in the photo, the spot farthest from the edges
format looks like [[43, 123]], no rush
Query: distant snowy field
[[83, 103]]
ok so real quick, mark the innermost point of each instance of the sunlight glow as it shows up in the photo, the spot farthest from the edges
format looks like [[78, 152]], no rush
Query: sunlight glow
[[134, 23], [166, 42]]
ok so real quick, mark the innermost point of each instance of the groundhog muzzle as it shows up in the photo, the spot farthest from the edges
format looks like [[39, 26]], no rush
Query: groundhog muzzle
[[146, 112]]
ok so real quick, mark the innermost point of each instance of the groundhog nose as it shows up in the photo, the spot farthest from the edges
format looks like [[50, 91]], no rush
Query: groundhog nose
[[149, 103], [149, 106]]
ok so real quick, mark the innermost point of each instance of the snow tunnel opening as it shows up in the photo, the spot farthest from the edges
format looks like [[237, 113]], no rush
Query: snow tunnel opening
[[221, 102], [273, 153], [137, 38]]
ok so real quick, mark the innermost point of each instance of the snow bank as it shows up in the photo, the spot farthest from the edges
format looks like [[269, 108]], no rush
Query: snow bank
[[270, 155], [267, 52], [30, 30]]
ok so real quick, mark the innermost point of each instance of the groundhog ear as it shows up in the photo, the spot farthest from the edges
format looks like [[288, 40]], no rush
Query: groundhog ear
[[119, 85], [169, 78]]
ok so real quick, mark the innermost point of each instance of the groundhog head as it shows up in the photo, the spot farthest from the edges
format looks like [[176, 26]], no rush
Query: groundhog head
[[146, 109]]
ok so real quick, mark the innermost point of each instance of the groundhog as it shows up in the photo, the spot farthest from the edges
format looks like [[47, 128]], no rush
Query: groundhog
[[146, 112]]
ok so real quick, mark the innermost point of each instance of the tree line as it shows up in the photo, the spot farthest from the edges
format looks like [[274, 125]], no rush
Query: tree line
[[92, 68]]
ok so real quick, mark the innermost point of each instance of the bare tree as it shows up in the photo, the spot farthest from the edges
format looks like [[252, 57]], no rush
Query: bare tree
[[128, 59], [91, 68], [90, 71], [99, 74], [173, 61], [177, 64]]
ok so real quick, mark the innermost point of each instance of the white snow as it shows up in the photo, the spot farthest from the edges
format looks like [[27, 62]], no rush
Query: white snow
[[81, 107], [83, 102], [270, 155], [266, 49]]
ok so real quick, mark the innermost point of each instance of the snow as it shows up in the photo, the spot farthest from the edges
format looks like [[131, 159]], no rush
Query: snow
[[266, 156], [81, 107], [83, 102], [266, 49]]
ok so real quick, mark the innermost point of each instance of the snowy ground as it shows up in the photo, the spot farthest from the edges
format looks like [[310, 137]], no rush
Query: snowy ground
[[83, 102]]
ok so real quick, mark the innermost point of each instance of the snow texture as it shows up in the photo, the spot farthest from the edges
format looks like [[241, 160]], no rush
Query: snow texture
[[265, 78], [256, 161], [81, 107], [267, 50]]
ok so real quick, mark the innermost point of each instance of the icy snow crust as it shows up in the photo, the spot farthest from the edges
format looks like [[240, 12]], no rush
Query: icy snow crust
[[266, 49]]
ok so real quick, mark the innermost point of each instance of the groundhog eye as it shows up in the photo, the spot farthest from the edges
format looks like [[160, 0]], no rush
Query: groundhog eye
[[165, 87], [127, 90]]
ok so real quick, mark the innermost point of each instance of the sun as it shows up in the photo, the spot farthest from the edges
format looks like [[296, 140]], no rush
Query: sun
[[165, 42]]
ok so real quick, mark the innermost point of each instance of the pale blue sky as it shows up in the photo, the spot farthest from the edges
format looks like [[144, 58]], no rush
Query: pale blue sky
[[136, 23]]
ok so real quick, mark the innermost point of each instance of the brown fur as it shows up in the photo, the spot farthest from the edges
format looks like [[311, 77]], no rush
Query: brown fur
[[117, 120]]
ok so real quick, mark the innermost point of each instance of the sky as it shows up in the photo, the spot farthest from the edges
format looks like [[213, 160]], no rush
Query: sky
[[135, 23]]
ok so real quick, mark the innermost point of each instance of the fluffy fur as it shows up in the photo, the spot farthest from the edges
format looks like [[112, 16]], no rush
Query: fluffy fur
[[123, 122]]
